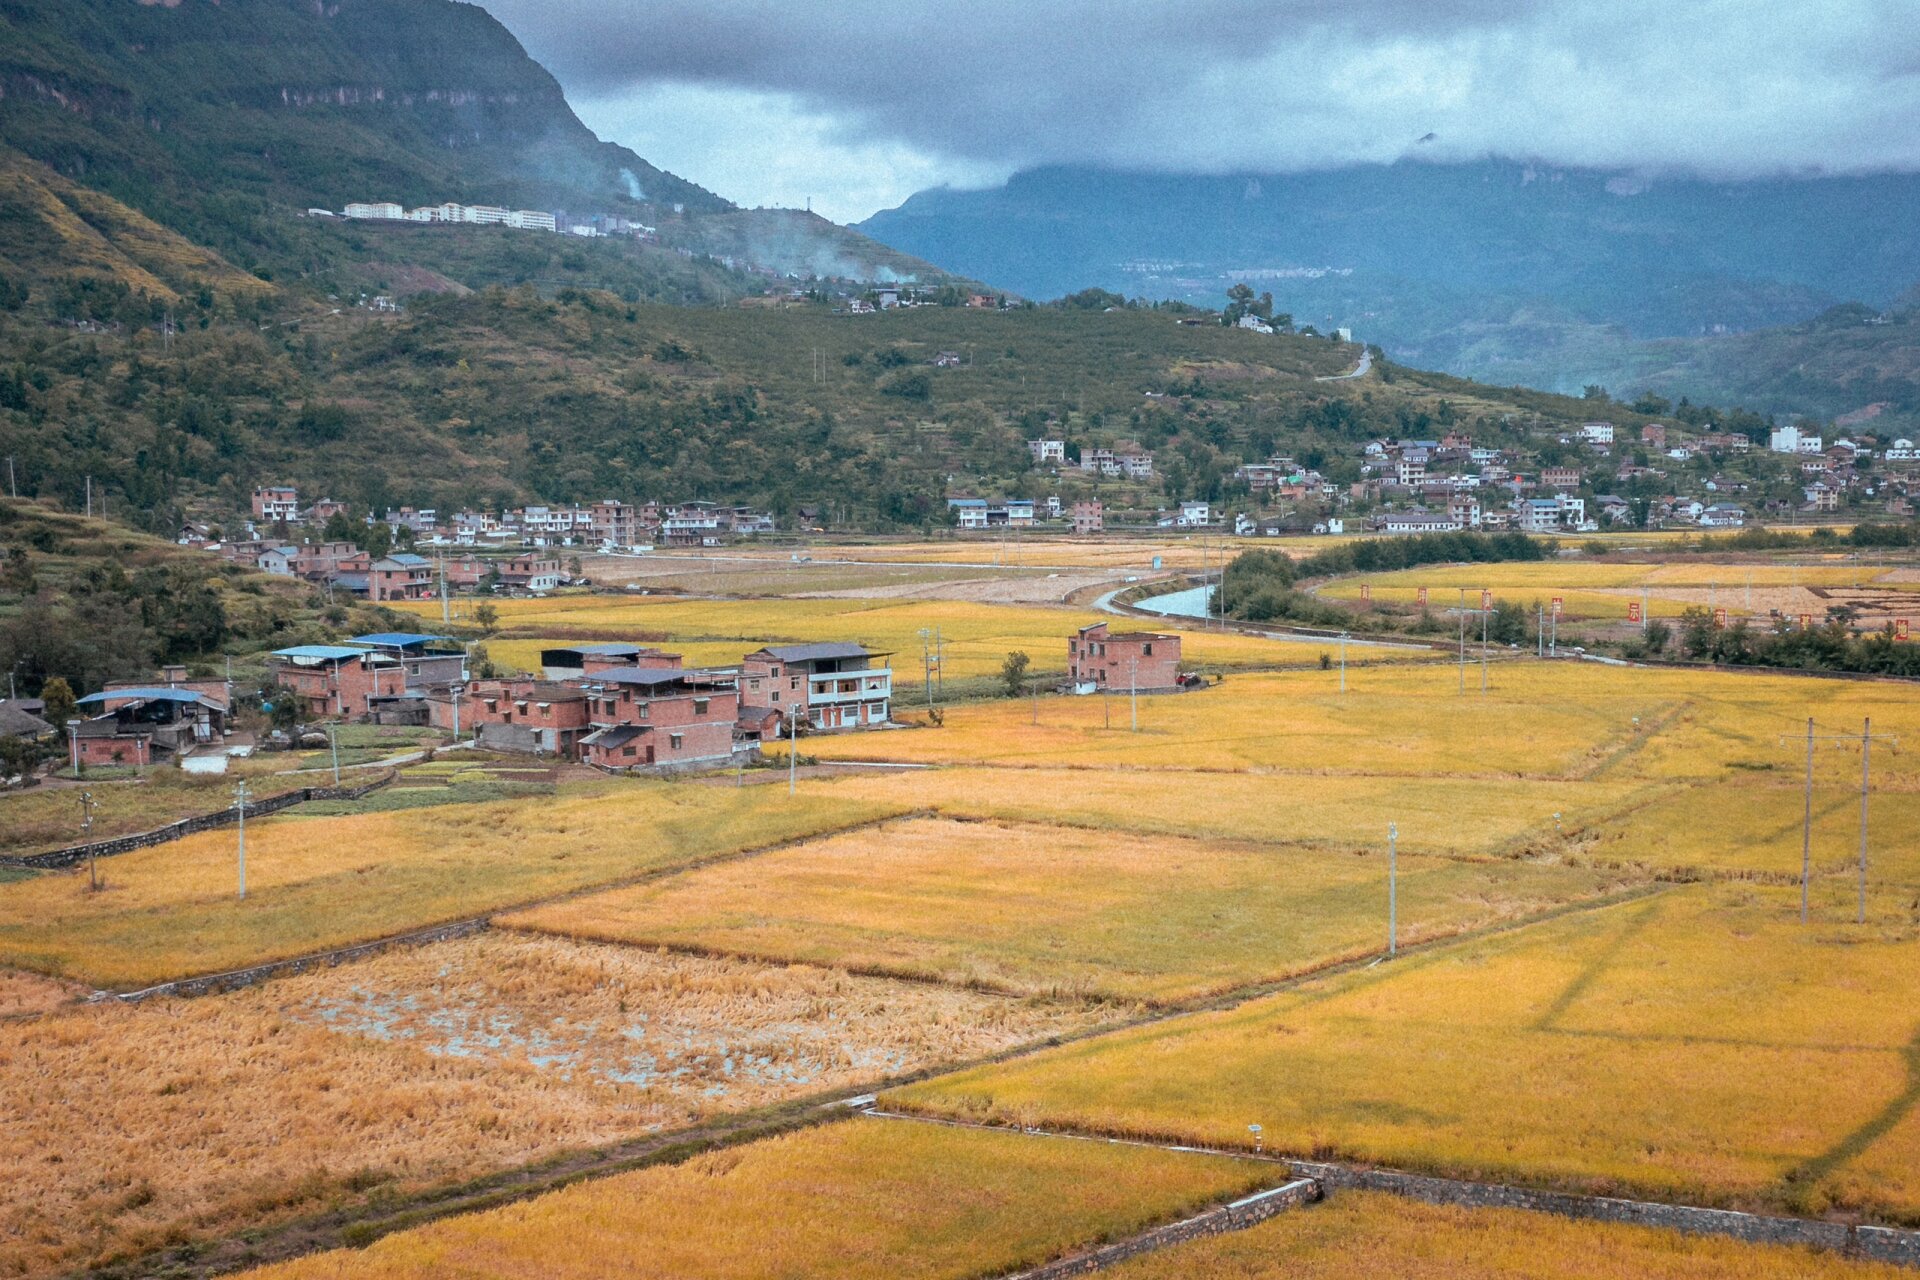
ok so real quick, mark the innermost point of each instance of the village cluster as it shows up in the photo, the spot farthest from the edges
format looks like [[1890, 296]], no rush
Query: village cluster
[[1414, 486], [613, 706]]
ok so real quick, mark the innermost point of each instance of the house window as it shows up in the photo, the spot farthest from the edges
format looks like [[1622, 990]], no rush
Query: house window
[[674, 740], [628, 753], [793, 682], [754, 685], [700, 706], [1146, 651], [642, 710], [776, 695]]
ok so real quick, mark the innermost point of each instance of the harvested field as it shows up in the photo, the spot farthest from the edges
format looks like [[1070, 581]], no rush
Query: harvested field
[[127, 1126], [860, 1199], [171, 911], [43, 818], [1060, 911], [1366, 1235], [26, 994], [1701, 1046]]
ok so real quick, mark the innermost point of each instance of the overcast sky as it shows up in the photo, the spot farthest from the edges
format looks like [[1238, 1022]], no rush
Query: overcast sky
[[859, 103]]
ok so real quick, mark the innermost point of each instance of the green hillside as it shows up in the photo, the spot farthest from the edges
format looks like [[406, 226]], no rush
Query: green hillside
[[224, 122]]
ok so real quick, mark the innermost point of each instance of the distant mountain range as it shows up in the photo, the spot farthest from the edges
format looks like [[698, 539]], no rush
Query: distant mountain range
[[1502, 271]]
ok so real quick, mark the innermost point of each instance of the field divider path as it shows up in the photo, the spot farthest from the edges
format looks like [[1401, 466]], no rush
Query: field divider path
[[233, 979], [1853, 1240]]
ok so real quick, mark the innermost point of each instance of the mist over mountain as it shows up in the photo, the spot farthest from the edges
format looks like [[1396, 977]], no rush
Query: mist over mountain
[[1481, 269]]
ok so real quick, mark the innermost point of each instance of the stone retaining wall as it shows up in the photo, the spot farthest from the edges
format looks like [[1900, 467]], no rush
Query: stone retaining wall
[[1883, 1244], [75, 854], [1237, 1216], [215, 983]]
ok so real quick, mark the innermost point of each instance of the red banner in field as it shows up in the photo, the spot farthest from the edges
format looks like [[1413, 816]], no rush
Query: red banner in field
[[1423, 595], [1720, 618], [1633, 611], [1486, 599], [1806, 622], [1366, 591], [1556, 606], [1899, 628]]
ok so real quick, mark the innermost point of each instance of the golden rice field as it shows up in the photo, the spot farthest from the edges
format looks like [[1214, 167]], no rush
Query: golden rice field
[[1699, 1045], [1557, 721], [172, 910], [857, 1200], [976, 637], [125, 1127], [26, 994], [1405, 720], [1604, 589], [1058, 911], [1491, 818], [1370, 1235]]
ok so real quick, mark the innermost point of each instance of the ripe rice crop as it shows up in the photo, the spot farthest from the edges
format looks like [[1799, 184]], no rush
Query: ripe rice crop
[[125, 1126], [861, 1199], [23, 994], [1492, 817], [1701, 1045], [1540, 720], [172, 910], [1407, 719], [1059, 911], [1364, 1235], [977, 637]]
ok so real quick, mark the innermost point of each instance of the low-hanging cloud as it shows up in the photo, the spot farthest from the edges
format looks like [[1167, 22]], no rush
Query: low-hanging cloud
[[1725, 88]]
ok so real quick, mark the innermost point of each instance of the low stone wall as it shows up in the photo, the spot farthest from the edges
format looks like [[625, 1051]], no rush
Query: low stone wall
[[215, 983], [75, 854], [1883, 1244], [1237, 1216]]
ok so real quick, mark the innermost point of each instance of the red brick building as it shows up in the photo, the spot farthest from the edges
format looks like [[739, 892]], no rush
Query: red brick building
[[401, 576], [338, 680], [664, 716], [1143, 660], [574, 662], [525, 714]]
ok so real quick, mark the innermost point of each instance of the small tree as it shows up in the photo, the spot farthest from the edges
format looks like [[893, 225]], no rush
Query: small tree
[[58, 695], [1014, 672], [488, 617]]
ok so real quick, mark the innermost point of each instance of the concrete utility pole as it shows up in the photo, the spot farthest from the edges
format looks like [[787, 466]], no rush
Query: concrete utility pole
[[73, 740], [240, 805], [1463, 639], [1539, 631], [1343, 662], [333, 741], [1483, 649], [1393, 888], [13, 487], [86, 833], [793, 751], [1133, 690]]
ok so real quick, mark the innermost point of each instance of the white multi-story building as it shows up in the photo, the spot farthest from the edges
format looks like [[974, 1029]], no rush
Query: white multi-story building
[[531, 220], [385, 209], [1794, 440], [1600, 433], [1045, 451]]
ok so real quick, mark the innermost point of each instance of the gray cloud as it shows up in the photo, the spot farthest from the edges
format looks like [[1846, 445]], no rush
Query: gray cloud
[[1723, 87]]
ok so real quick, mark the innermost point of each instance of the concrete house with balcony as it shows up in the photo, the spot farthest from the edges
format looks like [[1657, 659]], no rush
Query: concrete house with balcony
[[832, 685], [539, 717]]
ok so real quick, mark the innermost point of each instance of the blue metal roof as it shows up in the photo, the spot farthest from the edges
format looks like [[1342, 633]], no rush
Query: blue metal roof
[[396, 639], [147, 695], [322, 651]]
